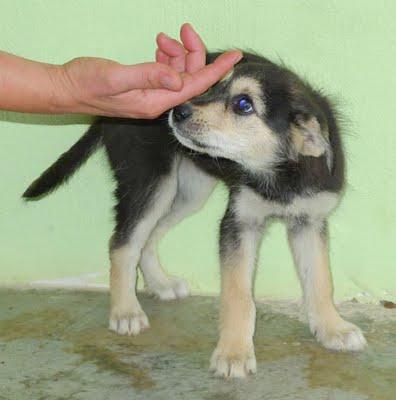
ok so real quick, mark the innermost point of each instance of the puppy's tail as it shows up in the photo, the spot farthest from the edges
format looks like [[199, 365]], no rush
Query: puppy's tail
[[66, 165]]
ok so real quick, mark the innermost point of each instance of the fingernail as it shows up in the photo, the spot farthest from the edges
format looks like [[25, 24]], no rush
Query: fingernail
[[164, 34], [239, 56]]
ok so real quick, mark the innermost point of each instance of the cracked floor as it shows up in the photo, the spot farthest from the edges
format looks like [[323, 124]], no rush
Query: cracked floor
[[55, 345]]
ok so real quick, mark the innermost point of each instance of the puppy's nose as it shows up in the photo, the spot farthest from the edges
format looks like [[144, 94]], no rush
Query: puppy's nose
[[182, 112]]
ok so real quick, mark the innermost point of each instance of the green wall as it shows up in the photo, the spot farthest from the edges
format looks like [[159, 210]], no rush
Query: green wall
[[346, 47]]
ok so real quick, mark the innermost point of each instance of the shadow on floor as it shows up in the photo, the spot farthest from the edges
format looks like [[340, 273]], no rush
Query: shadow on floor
[[55, 345]]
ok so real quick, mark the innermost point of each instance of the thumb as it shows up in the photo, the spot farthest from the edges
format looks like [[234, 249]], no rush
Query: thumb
[[146, 76]]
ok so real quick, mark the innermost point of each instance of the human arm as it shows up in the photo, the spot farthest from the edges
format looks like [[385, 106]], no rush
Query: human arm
[[104, 87]]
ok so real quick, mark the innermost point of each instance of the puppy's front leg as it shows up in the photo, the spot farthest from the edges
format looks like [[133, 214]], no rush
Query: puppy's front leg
[[234, 354], [308, 241]]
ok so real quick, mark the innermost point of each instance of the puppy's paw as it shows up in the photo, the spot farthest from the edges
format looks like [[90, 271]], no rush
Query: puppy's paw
[[229, 362], [340, 336], [130, 323], [174, 288]]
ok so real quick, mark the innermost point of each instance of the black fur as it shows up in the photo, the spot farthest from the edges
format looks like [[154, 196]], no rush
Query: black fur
[[141, 152], [66, 165], [230, 233]]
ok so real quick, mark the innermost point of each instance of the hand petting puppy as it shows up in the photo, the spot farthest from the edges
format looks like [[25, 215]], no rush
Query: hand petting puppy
[[147, 90], [98, 86]]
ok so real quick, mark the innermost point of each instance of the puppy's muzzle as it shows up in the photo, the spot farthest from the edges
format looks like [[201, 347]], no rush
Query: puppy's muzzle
[[182, 113]]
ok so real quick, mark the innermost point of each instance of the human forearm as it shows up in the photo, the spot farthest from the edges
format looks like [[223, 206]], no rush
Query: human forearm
[[28, 86]]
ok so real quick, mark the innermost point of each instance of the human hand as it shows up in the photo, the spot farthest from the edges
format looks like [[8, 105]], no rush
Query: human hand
[[104, 87]]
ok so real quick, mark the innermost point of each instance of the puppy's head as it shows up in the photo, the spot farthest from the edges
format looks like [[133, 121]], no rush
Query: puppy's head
[[259, 115]]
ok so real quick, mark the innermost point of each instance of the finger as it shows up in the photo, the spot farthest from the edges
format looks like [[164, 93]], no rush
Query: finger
[[206, 77], [174, 50], [193, 43], [145, 76], [169, 46], [161, 57]]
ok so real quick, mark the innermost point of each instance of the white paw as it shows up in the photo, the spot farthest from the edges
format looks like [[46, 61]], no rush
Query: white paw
[[343, 336], [229, 364], [174, 288], [129, 323]]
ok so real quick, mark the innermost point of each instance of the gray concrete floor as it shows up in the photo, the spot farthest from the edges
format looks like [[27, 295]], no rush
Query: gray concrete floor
[[55, 345]]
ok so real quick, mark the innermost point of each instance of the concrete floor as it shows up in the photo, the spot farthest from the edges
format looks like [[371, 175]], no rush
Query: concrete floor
[[55, 345]]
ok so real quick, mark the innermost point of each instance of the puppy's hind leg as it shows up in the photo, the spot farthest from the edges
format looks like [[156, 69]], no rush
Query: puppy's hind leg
[[308, 241], [126, 315], [136, 219], [194, 188]]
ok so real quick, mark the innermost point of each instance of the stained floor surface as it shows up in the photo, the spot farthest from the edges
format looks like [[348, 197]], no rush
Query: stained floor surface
[[54, 345]]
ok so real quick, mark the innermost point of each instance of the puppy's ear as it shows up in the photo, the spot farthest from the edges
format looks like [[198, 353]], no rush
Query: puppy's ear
[[309, 138]]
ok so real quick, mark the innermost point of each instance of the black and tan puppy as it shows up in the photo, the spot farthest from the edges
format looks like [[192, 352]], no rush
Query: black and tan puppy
[[275, 143]]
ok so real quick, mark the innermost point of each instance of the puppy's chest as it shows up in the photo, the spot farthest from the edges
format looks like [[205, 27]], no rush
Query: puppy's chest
[[252, 208]]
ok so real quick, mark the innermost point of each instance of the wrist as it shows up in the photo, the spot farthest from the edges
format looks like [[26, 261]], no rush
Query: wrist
[[62, 97]]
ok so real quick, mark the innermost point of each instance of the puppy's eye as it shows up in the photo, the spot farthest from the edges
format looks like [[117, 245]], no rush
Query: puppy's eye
[[243, 105]]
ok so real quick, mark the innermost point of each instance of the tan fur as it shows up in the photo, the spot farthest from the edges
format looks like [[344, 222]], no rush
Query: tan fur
[[297, 138], [234, 354], [310, 252], [126, 315], [237, 307], [122, 287], [246, 139], [251, 87], [309, 138]]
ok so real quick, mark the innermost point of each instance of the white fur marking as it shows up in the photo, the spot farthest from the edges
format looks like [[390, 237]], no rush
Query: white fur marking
[[194, 188], [251, 207]]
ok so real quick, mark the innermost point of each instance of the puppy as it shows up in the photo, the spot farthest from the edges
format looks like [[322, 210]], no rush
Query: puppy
[[276, 144]]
